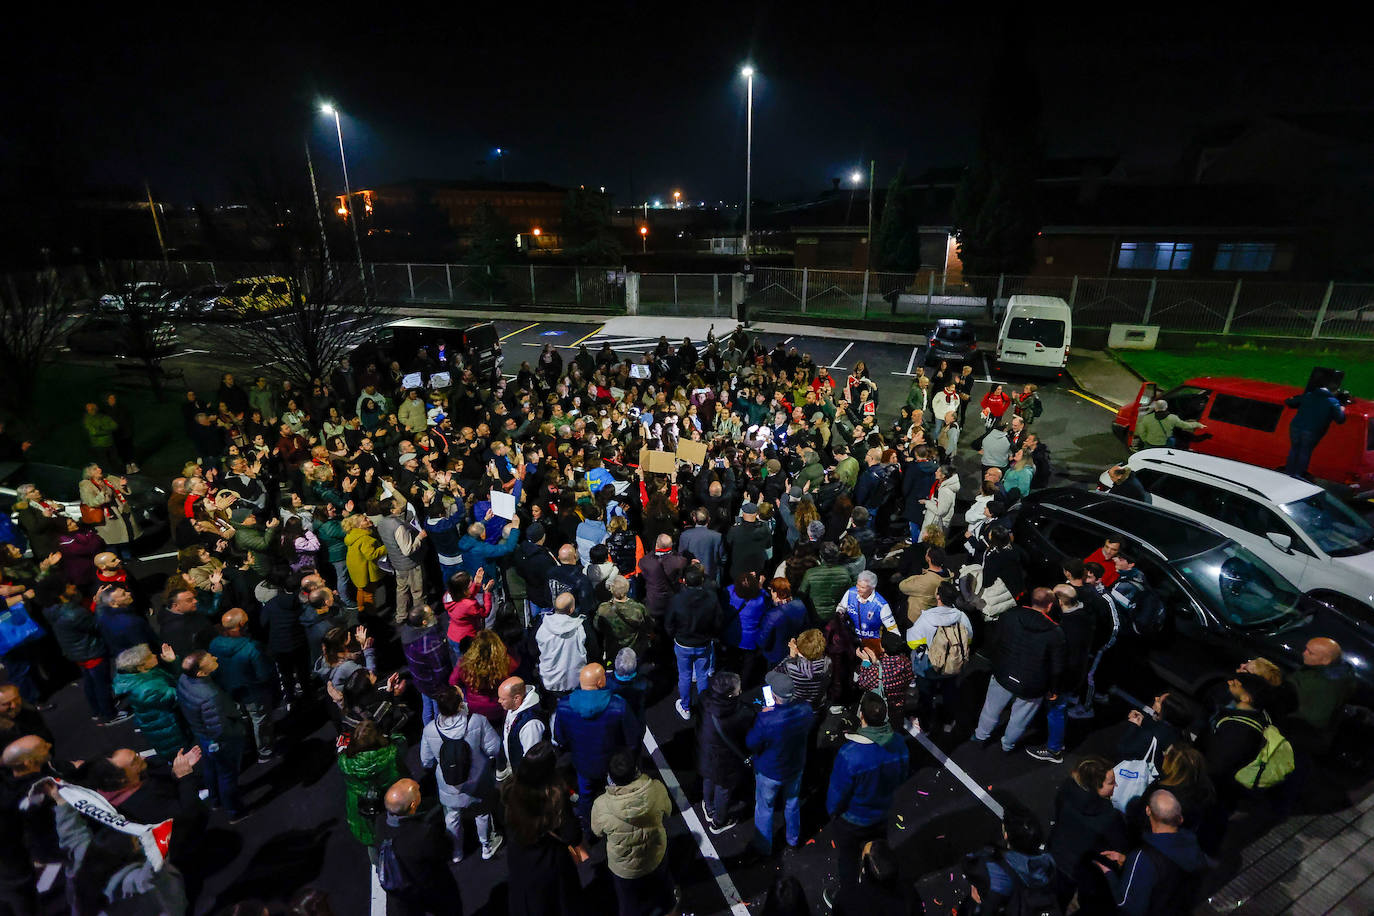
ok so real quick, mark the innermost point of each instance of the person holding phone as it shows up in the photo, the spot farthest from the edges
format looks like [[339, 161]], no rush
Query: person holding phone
[[777, 741]]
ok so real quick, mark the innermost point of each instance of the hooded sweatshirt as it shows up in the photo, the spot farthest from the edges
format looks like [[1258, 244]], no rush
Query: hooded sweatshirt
[[631, 817], [484, 744], [563, 650], [1168, 866]]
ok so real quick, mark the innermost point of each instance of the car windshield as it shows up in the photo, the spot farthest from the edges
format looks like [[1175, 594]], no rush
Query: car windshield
[[1244, 589], [1338, 531], [954, 334], [1047, 331]]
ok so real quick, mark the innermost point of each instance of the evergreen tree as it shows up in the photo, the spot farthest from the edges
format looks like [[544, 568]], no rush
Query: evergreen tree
[[897, 246], [586, 228]]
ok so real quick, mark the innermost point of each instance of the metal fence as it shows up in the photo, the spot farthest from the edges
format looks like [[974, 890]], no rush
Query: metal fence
[[691, 294]]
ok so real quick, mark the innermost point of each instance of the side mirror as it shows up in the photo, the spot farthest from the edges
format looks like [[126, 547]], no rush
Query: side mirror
[[1283, 542]]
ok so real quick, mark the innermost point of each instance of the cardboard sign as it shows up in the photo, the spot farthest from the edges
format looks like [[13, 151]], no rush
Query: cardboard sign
[[691, 452], [639, 370], [440, 380], [502, 504], [412, 380], [657, 462]]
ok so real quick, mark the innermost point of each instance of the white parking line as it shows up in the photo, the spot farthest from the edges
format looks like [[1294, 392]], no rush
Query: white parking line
[[378, 903], [837, 364], [959, 774], [157, 556], [689, 817]]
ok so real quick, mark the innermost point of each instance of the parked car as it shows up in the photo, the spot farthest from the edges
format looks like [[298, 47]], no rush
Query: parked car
[[1035, 335], [199, 302], [114, 335], [252, 295], [1247, 421], [952, 339], [60, 483], [1225, 603], [1313, 538], [478, 345], [144, 292]]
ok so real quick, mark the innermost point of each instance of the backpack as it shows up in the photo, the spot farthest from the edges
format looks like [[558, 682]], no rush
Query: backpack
[[455, 760], [390, 875], [1274, 762], [947, 650], [427, 658], [1026, 900]]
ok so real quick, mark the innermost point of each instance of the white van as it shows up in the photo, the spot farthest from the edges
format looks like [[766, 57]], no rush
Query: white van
[[1035, 336]]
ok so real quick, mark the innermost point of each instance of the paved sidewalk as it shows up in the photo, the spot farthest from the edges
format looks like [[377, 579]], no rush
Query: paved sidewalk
[[1096, 372]]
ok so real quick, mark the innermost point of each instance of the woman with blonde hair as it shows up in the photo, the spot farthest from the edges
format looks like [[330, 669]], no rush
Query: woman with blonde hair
[[363, 551], [480, 671], [105, 506]]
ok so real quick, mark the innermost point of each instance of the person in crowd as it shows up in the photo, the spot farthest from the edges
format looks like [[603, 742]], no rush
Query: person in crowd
[[824, 586], [777, 740], [1085, 821], [1165, 874], [941, 644], [1077, 625], [479, 673], [1157, 428], [370, 762], [1323, 685], [78, 635], [404, 548], [524, 725], [416, 843], [566, 641], [886, 670], [632, 816], [545, 839], [866, 609], [1019, 867], [149, 686], [693, 623], [461, 748], [721, 754], [246, 674], [809, 668], [1028, 662], [591, 723], [623, 622], [217, 725]]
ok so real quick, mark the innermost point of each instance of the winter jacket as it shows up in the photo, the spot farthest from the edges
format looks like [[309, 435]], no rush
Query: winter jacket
[[572, 579], [478, 554], [77, 632], [1084, 823], [244, 671], [369, 772], [186, 633], [870, 767], [810, 679], [706, 545], [124, 628], [721, 751], [632, 820], [403, 544], [693, 619], [363, 551], [1161, 877], [875, 485], [1035, 871], [534, 563], [1078, 625], [482, 741], [917, 482], [1322, 690], [209, 711], [259, 540], [749, 543], [744, 618], [152, 696], [1028, 657], [134, 889], [662, 576], [940, 509], [919, 634], [991, 595], [467, 615], [778, 740], [78, 549], [921, 590], [565, 645], [522, 728], [591, 725], [621, 624], [780, 625], [281, 618], [590, 532], [427, 656], [825, 585]]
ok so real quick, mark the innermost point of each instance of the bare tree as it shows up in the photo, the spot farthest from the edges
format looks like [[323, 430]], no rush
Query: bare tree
[[35, 315], [308, 331]]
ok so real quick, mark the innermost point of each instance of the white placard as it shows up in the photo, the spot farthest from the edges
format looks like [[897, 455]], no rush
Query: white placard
[[411, 380], [503, 504], [440, 380]]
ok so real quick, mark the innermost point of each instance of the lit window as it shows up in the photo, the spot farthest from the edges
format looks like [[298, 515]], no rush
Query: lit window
[[1247, 256], [1154, 255]]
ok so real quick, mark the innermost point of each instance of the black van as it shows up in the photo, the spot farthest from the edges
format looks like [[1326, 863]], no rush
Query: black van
[[440, 339]]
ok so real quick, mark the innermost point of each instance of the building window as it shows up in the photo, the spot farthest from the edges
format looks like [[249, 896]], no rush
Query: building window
[[1154, 255], [1249, 256]]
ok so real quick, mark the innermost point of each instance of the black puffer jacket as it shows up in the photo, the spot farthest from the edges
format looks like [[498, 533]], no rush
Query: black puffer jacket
[[1084, 823], [210, 712], [1028, 658], [722, 749], [694, 618]]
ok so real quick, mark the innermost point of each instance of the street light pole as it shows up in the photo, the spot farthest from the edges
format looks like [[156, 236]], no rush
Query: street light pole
[[319, 214], [748, 158], [351, 215], [872, 166]]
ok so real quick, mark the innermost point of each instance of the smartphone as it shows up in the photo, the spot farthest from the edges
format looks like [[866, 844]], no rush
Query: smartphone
[[768, 699]]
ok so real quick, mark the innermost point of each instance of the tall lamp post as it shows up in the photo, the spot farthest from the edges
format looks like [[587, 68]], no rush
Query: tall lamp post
[[350, 215], [748, 73]]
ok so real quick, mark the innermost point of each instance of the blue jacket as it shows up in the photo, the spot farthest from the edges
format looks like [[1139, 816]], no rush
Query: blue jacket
[[124, 628], [244, 671], [590, 532], [742, 630], [211, 713], [778, 740], [592, 724], [444, 533], [479, 554], [1317, 410], [868, 771]]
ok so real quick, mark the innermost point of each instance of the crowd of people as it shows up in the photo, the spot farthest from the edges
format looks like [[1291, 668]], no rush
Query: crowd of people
[[487, 572]]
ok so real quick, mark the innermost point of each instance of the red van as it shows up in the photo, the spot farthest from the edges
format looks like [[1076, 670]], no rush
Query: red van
[[1247, 421]]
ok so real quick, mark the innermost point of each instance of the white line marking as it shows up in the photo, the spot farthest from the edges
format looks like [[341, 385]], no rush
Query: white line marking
[[157, 556], [959, 774], [788, 341], [836, 364], [150, 752], [911, 362], [987, 373], [378, 907], [689, 817]]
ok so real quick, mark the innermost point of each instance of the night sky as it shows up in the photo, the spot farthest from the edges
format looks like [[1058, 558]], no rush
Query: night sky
[[627, 96]]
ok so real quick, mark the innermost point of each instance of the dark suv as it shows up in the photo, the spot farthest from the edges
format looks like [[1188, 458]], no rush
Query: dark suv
[[952, 339], [1225, 604]]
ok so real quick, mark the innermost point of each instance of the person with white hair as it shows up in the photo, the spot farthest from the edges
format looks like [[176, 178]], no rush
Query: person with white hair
[[867, 609], [1159, 428]]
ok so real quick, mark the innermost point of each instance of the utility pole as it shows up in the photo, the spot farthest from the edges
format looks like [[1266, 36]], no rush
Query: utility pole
[[157, 225], [872, 167], [319, 214]]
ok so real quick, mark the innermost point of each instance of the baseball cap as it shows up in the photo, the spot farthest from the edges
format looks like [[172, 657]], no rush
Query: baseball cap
[[749, 509], [534, 532], [780, 684]]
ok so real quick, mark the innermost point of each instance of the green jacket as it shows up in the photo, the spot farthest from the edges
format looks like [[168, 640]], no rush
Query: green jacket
[[813, 473], [100, 429], [1322, 690], [848, 471], [1153, 430], [152, 696], [331, 535], [825, 586], [372, 770], [259, 540]]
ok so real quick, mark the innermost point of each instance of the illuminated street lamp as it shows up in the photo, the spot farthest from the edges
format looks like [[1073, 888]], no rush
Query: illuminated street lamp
[[329, 109], [644, 238], [748, 73], [538, 231], [856, 177], [677, 199]]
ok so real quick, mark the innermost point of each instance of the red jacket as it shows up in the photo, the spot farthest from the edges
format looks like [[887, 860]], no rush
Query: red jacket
[[996, 406]]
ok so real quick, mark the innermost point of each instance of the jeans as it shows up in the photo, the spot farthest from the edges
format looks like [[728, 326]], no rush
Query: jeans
[[1022, 711], [587, 791], [96, 683], [915, 532], [221, 773], [429, 708], [1300, 453], [693, 663], [766, 792], [258, 711], [1055, 716], [342, 585], [715, 800]]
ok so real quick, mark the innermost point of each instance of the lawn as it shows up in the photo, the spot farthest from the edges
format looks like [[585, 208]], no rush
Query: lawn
[[54, 426], [1274, 364]]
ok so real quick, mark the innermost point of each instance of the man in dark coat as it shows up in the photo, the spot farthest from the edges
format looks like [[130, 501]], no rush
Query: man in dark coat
[[1317, 410], [219, 728], [723, 760], [662, 576], [1028, 661], [419, 846]]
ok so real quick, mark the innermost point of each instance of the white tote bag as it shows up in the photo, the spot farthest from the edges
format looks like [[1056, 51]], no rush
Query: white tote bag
[[1132, 776]]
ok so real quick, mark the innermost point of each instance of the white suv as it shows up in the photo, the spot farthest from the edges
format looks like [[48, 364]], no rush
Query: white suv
[[1314, 539]]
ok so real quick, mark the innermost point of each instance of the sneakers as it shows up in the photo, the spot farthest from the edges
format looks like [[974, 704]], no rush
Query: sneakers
[[1042, 752], [1081, 712], [682, 710], [721, 827], [489, 849], [265, 756]]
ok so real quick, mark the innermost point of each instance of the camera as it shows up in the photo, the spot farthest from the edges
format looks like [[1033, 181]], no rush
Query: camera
[[1342, 396]]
